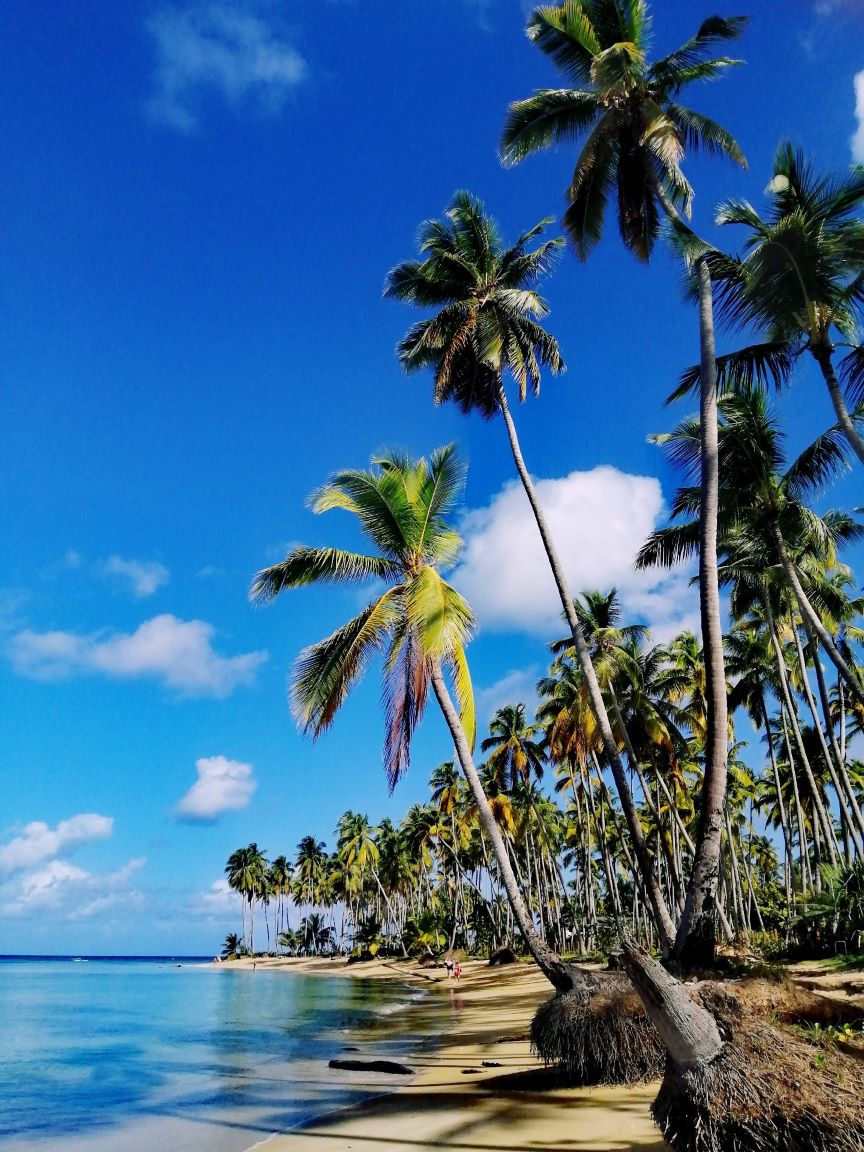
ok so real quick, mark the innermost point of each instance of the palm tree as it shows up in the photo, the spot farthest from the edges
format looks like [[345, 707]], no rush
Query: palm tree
[[802, 280], [231, 946], [419, 622], [765, 521], [637, 134], [484, 328], [309, 869], [513, 751], [245, 871]]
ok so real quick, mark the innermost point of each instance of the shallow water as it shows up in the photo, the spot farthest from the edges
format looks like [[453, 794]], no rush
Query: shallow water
[[162, 1053]]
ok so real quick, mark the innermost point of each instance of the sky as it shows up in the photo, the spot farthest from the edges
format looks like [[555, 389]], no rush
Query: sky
[[200, 203]]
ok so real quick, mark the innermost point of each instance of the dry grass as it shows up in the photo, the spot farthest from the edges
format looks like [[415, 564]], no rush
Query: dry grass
[[607, 1039], [768, 1091]]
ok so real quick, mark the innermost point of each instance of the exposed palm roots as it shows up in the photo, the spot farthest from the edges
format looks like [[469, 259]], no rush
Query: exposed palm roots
[[769, 1090], [604, 1039]]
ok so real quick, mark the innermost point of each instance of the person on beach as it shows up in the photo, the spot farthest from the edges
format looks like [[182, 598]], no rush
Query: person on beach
[[457, 971], [448, 965]]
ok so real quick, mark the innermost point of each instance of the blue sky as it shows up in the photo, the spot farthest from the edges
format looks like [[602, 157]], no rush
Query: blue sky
[[200, 203]]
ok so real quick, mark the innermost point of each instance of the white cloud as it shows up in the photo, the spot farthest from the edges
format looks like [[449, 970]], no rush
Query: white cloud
[[143, 577], [222, 47], [599, 520], [218, 900], [69, 892], [223, 785], [519, 686], [178, 653], [38, 841], [858, 138]]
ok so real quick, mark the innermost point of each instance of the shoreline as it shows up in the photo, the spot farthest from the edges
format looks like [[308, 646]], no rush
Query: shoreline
[[476, 1088]]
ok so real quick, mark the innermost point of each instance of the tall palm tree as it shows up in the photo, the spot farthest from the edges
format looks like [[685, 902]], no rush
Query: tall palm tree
[[802, 279], [636, 137], [485, 328], [245, 871], [419, 622]]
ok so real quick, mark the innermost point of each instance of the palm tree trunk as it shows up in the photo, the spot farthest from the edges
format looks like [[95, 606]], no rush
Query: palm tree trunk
[[839, 753], [823, 357], [564, 977], [845, 817], [662, 919], [781, 804], [695, 942], [812, 616]]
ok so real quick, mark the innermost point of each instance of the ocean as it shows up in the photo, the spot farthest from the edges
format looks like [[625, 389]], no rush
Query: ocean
[[135, 1054]]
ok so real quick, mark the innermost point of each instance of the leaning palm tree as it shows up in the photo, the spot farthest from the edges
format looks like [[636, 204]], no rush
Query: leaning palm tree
[[418, 622], [636, 137], [245, 872], [802, 279], [485, 328]]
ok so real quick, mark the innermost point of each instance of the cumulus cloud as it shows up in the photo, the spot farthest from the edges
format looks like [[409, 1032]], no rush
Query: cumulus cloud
[[224, 47], [177, 653], [858, 138], [143, 578], [599, 520], [38, 841], [223, 785]]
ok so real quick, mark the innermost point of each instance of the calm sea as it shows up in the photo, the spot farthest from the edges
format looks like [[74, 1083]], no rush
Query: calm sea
[[136, 1054]]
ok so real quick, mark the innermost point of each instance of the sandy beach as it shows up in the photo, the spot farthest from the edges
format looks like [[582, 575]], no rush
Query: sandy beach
[[477, 1087]]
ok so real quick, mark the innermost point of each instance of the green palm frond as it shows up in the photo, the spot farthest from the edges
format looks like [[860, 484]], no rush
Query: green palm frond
[[757, 366], [551, 116], [325, 672], [304, 566], [701, 134], [566, 35]]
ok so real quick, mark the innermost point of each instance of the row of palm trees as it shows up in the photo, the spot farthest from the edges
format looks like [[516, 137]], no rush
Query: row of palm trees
[[432, 882], [654, 772]]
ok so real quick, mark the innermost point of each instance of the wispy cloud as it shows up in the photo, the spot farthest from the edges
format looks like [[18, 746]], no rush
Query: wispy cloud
[[177, 653], [39, 841], [599, 520], [518, 686], [223, 785], [142, 577], [226, 47], [858, 138]]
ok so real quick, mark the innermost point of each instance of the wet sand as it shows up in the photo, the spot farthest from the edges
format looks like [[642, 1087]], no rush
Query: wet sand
[[473, 1092]]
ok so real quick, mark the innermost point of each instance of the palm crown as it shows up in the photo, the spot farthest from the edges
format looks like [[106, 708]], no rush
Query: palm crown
[[488, 307], [418, 619], [802, 275], [637, 132]]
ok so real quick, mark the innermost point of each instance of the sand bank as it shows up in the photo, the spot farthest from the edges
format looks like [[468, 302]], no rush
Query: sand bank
[[473, 1092]]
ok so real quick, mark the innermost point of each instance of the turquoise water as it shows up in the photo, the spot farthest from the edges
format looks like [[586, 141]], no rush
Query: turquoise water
[[158, 1053]]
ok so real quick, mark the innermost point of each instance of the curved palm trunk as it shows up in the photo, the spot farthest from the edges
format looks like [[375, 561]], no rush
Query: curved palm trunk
[[823, 357], [564, 977], [694, 944], [827, 753], [839, 752], [812, 616], [662, 919]]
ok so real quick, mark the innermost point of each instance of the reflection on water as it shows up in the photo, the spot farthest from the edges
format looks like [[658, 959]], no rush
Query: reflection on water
[[187, 1057]]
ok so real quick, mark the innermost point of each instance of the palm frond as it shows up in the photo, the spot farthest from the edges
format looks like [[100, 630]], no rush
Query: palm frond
[[304, 566], [566, 35], [325, 672], [758, 365], [550, 116]]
